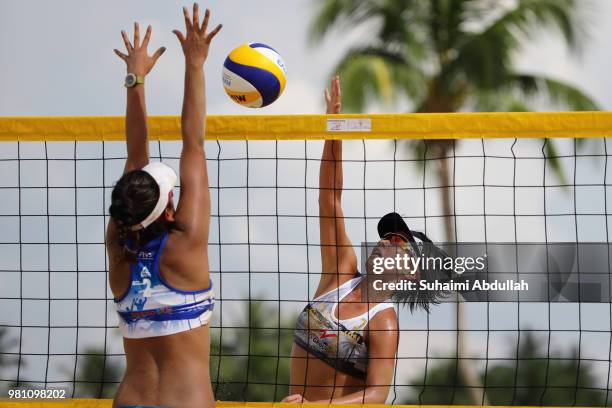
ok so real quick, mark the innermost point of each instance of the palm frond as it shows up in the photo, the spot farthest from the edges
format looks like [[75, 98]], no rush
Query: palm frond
[[483, 60], [335, 13], [561, 15], [525, 20], [485, 56], [365, 77], [499, 101], [557, 92], [552, 156], [398, 22], [375, 74], [444, 24]]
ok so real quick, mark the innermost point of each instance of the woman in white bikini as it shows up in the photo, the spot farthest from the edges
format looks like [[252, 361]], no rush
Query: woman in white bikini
[[346, 339]]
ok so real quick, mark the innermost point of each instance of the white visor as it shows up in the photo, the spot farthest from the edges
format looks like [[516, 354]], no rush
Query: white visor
[[165, 177]]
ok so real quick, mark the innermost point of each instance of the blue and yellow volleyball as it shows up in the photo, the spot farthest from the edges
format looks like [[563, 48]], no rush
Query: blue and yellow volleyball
[[254, 75]]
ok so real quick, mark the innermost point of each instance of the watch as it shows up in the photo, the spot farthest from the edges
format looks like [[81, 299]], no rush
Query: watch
[[132, 80]]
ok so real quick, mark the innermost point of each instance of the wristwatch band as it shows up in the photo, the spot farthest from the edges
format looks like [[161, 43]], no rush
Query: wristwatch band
[[131, 80]]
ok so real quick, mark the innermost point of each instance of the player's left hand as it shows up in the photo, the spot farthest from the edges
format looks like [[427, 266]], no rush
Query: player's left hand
[[196, 41], [138, 60]]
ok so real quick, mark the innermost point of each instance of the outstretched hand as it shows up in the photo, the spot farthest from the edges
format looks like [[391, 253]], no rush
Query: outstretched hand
[[137, 59], [334, 99], [196, 41]]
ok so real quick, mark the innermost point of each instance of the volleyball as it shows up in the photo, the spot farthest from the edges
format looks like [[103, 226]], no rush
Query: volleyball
[[254, 75]]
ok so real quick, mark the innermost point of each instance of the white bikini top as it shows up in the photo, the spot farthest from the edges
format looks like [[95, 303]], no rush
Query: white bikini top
[[338, 342]]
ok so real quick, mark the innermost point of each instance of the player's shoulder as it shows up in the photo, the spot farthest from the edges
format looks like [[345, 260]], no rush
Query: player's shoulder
[[385, 319]]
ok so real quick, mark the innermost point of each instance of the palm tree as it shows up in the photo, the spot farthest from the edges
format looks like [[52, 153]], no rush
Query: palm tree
[[448, 56]]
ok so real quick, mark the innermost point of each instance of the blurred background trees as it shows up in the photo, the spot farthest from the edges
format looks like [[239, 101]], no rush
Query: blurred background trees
[[535, 378], [451, 55], [254, 363]]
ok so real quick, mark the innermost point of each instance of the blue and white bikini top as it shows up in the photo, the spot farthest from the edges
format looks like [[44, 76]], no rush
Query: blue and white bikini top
[[151, 307], [339, 343]]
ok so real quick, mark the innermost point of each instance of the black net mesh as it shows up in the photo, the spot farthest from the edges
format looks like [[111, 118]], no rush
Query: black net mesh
[[57, 319]]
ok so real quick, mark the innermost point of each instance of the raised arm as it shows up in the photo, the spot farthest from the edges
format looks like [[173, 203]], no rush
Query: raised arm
[[138, 63], [193, 212], [338, 257]]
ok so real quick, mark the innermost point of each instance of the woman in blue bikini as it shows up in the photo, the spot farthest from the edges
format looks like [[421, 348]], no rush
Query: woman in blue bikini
[[159, 272]]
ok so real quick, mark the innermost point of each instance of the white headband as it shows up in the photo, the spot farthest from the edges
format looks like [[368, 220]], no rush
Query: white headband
[[165, 177]]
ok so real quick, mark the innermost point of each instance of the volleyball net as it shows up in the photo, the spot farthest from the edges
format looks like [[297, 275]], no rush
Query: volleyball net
[[523, 180]]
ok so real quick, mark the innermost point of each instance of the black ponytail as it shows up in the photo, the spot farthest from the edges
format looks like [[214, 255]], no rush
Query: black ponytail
[[423, 299]]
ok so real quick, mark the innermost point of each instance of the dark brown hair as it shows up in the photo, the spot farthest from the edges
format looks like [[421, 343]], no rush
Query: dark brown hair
[[133, 199]]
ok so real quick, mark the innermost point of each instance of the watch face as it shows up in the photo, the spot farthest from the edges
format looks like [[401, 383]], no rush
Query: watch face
[[130, 80]]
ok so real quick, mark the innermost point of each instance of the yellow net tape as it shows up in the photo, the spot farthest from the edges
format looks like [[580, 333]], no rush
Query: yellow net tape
[[100, 403], [316, 127]]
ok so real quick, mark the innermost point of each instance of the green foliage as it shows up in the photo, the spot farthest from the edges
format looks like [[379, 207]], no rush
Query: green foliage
[[533, 379], [6, 344], [96, 376], [6, 360], [253, 364], [450, 55]]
